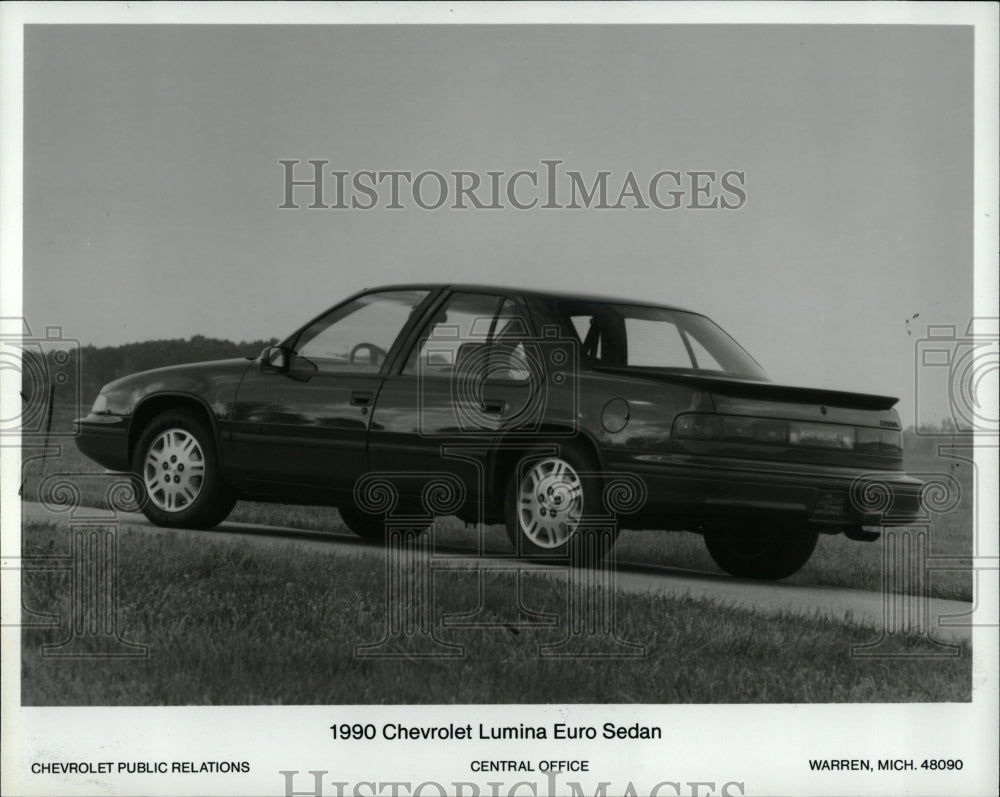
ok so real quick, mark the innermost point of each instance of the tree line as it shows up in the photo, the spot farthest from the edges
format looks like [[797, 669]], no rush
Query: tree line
[[71, 374]]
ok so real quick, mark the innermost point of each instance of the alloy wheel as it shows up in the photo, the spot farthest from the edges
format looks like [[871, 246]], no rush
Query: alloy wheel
[[550, 502], [174, 470]]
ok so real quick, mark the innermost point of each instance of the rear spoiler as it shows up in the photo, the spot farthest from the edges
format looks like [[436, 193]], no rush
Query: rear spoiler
[[742, 388]]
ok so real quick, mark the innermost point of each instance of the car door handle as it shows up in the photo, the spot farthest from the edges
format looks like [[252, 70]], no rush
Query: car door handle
[[495, 406], [361, 398]]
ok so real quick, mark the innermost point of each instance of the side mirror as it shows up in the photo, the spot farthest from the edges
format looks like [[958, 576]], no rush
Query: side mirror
[[275, 359]]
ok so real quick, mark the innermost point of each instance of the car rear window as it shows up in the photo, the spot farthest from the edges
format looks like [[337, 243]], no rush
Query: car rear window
[[657, 338]]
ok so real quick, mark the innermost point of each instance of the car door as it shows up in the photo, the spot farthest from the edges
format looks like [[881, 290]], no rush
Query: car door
[[462, 381], [307, 424]]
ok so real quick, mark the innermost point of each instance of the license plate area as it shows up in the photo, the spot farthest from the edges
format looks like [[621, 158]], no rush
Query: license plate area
[[830, 506]]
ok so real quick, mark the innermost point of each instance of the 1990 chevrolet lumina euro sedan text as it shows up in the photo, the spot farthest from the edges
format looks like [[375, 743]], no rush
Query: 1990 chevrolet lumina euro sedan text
[[560, 415]]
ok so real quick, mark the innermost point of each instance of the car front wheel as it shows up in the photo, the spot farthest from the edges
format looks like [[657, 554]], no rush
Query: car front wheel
[[178, 473], [762, 552]]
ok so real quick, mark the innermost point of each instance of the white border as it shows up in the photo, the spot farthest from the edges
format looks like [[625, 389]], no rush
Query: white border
[[760, 745]]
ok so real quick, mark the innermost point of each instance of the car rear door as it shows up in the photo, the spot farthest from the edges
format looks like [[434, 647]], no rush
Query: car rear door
[[463, 380]]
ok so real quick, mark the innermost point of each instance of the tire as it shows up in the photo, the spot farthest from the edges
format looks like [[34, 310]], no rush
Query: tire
[[765, 552], [179, 445], [372, 527], [547, 500]]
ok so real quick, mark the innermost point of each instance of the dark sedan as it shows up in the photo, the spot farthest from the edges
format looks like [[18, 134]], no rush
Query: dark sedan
[[562, 416]]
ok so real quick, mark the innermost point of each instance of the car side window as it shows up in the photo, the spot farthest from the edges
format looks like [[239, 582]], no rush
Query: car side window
[[588, 330], [508, 354], [460, 326], [356, 337], [655, 344], [704, 359]]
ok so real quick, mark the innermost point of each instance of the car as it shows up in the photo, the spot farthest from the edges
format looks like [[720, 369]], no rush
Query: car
[[562, 416]]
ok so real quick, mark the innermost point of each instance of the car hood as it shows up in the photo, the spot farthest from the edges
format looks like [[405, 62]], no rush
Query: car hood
[[183, 372], [765, 391]]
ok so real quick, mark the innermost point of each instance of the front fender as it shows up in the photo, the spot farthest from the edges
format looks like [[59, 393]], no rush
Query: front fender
[[211, 384]]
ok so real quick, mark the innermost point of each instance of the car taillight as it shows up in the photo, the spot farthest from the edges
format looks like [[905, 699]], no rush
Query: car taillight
[[730, 427], [770, 431], [741, 429], [701, 427], [892, 442], [879, 441]]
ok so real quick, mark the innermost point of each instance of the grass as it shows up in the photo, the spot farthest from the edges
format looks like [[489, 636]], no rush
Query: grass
[[237, 623], [837, 561]]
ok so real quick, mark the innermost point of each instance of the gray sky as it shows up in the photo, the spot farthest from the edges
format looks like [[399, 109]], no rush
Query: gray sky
[[152, 181]]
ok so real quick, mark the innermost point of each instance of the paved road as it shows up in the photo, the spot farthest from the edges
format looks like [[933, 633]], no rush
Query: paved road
[[943, 617]]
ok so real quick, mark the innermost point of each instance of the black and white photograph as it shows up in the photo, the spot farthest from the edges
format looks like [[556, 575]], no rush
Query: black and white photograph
[[500, 399]]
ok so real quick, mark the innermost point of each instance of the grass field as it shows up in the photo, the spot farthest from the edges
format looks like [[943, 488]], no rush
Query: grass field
[[243, 624], [836, 562]]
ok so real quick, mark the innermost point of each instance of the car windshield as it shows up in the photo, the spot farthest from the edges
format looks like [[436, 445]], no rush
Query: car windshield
[[655, 338]]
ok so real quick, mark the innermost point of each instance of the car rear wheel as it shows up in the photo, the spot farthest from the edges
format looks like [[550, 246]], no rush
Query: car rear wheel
[[178, 473], [763, 552], [548, 500]]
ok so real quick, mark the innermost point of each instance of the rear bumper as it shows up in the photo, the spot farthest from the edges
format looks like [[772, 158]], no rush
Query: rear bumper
[[104, 439], [709, 488]]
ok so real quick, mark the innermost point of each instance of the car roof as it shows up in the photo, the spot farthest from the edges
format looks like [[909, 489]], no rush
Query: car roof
[[533, 292]]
